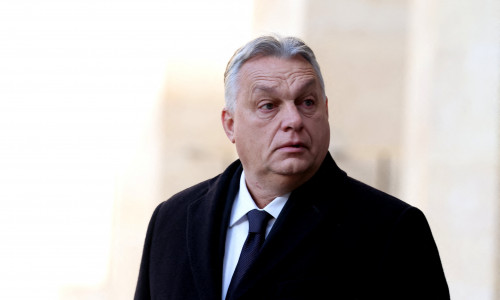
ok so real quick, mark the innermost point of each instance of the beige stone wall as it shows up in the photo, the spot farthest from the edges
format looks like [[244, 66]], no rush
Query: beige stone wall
[[451, 166]]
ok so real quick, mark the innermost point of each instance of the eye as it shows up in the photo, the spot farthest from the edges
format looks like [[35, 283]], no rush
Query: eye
[[267, 106], [309, 102]]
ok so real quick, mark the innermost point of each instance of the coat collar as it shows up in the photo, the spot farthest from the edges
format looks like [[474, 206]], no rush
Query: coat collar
[[207, 221]]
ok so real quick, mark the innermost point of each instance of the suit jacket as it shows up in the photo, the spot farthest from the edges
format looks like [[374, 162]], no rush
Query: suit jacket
[[336, 238]]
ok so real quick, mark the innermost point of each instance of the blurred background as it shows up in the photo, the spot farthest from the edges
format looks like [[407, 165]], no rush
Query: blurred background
[[109, 107]]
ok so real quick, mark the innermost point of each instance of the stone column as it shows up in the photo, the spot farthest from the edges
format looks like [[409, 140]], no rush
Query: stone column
[[451, 137]]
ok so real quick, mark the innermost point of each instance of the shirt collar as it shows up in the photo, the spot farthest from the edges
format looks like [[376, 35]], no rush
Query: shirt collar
[[243, 203]]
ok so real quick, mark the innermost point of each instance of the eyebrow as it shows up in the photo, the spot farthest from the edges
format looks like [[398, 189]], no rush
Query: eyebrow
[[263, 88], [271, 89]]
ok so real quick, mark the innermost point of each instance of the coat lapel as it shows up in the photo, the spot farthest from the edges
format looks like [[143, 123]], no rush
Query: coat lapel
[[207, 221]]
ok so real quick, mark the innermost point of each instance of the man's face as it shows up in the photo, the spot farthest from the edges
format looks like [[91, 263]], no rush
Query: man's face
[[280, 122]]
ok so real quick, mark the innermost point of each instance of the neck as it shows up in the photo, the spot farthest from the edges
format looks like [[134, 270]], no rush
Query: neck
[[265, 191]]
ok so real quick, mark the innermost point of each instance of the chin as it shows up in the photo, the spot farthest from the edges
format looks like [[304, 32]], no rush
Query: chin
[[293, 168]]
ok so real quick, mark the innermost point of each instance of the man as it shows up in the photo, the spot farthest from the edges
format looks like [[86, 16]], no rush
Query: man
[[323, 234]]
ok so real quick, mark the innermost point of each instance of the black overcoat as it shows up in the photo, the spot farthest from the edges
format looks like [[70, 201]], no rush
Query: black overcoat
[[336, 238]]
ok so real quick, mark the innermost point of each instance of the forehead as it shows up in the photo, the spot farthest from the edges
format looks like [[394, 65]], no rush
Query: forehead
[[270, 72]]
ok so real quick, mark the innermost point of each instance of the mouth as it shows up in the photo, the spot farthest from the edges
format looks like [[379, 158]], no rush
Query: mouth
[[292, 146]]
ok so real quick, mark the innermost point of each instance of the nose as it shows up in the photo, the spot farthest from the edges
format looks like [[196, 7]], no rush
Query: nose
[[291, 118]]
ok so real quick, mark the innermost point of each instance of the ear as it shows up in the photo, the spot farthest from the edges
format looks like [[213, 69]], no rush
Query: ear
[[326, 106], [228, 124]]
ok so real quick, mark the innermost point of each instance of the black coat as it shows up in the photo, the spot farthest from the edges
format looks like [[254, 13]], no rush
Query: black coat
[[336, 238]]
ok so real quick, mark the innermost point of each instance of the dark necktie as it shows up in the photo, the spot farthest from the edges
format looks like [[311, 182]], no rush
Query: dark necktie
[[257, 223]]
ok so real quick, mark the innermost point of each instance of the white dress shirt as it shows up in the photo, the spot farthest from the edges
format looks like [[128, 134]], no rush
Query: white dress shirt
[[238, 228]]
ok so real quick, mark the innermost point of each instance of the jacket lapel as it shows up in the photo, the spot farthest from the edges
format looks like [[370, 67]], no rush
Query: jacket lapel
[[207, 220]]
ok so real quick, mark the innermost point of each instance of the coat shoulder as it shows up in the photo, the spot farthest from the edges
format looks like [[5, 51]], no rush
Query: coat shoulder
[[208, 190], [190, 194], [373, 200]]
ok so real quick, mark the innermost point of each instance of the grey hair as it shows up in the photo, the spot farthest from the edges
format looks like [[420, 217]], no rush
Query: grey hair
[[282, 47]]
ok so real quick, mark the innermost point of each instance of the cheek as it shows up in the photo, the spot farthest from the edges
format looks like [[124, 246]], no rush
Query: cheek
[[254, 135], [245, 139], [320, 129]]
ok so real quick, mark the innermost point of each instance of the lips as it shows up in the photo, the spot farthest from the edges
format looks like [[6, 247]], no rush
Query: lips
[[292, 145]]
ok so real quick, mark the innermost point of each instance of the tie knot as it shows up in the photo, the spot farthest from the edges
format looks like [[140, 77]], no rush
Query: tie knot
[[257, 220]]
